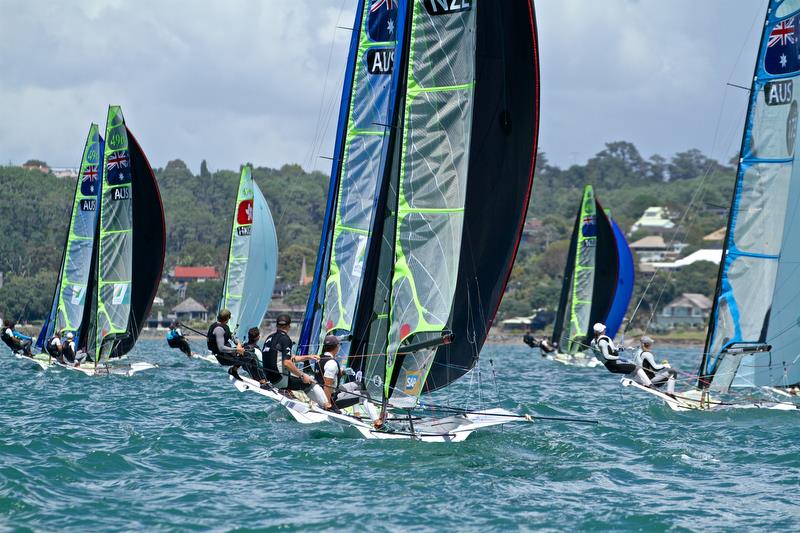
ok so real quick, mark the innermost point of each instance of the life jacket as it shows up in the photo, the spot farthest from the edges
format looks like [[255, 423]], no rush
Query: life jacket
[[171, 334], [272, 358], [51, 349], [646, 366], [212, 339], [598, 352], [320, 371], [68, 351]]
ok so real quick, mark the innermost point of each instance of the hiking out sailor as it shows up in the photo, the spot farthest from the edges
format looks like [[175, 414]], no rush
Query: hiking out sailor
[[545, 346], [658, 373], [253, 359], [608, 354], [70, 352], [340, 393], [54, 347], [221, 343], [19, 343], [280, 365], [175, 339]]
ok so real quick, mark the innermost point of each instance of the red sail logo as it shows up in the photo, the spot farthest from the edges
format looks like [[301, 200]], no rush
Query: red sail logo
[[244, 215]]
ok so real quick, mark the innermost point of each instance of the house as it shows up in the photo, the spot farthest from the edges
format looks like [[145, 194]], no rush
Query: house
[[654, 220], [712, 256], [653, 248], [689, 309], [64, 172], [186, 274], [716, 236], [190, 309], [35, 164]]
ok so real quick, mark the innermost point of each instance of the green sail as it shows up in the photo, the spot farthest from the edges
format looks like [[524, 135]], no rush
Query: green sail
[[115, 252]]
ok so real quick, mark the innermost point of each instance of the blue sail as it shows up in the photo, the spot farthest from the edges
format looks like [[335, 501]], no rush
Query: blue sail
[[625, 280], [756, 296]]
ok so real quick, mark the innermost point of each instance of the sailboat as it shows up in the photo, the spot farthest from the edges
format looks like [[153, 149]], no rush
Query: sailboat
[[445, 134], [598, 284], [69, 311], [753, 340], [252, 260], [121, 250]]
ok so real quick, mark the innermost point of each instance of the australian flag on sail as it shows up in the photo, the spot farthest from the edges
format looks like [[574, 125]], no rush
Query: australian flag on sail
[[89, 181], [783, 47], [118, 168], [588, 226], [381, 20]]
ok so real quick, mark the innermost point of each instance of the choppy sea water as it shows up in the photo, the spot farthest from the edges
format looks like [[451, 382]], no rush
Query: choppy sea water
[[179, 449]]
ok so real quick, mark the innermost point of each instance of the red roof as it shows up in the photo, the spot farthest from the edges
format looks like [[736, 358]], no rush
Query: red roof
[[187, 272]]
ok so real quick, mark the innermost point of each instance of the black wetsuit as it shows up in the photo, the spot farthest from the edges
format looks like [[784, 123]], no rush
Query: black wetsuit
[[250, 361], [176, 340], [16, 344], [278, 346], [226, 355], [612, 363]]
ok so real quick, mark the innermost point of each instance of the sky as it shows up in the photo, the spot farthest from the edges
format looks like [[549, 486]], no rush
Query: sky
[[259, 80]]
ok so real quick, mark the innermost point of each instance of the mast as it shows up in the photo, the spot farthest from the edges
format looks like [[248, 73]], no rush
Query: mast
[[564, 307]]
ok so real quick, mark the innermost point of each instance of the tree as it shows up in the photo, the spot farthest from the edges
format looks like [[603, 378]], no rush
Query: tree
[[204, 173], [176, 164]]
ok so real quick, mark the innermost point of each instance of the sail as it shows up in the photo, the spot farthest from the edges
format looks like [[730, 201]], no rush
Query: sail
[[69, 301], [131, 242], [625, 281], [356, 174], [457, 223], [598, 277], [755, 299], [252, 258]]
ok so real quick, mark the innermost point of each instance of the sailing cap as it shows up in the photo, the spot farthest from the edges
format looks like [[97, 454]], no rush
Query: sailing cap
[[331, 340], [599, 328], [70, 335], [225, 314], [283, 320], [646, 340]]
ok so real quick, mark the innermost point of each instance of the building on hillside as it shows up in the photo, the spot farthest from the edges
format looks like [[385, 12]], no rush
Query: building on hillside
[[64, 172], [653, 248], [710, 255], [689, 309], [716, 236], [41, 166], [190, 309], [187, 274], [530, 229], [654, 220]]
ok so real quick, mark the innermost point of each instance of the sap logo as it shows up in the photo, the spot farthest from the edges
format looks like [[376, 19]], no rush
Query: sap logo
[[244, 231], [380, 60], [445, 7], [88, 205], [779, 92], [120, 193], [411, 381]]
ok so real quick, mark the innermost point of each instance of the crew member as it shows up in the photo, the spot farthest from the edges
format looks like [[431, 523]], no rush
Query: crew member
[[175, 339], [658, 373], [253, 359], [19, 343], [339, 393], [222, 345], [608, 354], [280, 365], [54, 347], [70, 351], [545, 346]]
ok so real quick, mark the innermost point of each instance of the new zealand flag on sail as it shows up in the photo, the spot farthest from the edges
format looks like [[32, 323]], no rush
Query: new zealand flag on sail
[[118, 168], [381, 20], [783, 47]]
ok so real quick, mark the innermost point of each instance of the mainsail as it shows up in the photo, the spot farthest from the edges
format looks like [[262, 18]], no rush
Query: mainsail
[[70, 298], [454, 192], [252, 258], [356, 174], [598, 277], [131, 242], [757, 289]]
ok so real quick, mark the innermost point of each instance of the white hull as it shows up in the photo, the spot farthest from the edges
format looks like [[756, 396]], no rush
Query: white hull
[[579, 359], [448, 429], [208, 358], [690, 401], [36, 360], [89, 369]]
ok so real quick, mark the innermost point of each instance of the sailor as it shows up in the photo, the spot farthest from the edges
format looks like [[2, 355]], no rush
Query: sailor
[[253, 359], [658, 373], [340, 393], [608, 354], [175, 339], [221, 343], [54, 346], [70, 352], [280, 365], [545, 346], [19, 343]]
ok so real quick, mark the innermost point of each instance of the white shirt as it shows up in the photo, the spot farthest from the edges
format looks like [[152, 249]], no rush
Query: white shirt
[[56, 342], [330, 370]]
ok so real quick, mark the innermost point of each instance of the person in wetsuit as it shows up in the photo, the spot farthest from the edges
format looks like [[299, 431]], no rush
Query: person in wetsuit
[[19, 343], [280, 365], [658, 373], [342, 393], [221, 343], [54, 347], [175, 339], [253, 359], [608, 354]]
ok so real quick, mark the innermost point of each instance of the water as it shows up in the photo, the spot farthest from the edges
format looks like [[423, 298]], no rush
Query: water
[[178, 449]]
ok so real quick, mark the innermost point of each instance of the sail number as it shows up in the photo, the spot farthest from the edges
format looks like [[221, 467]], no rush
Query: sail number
[[445, 7], [117, 140]]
